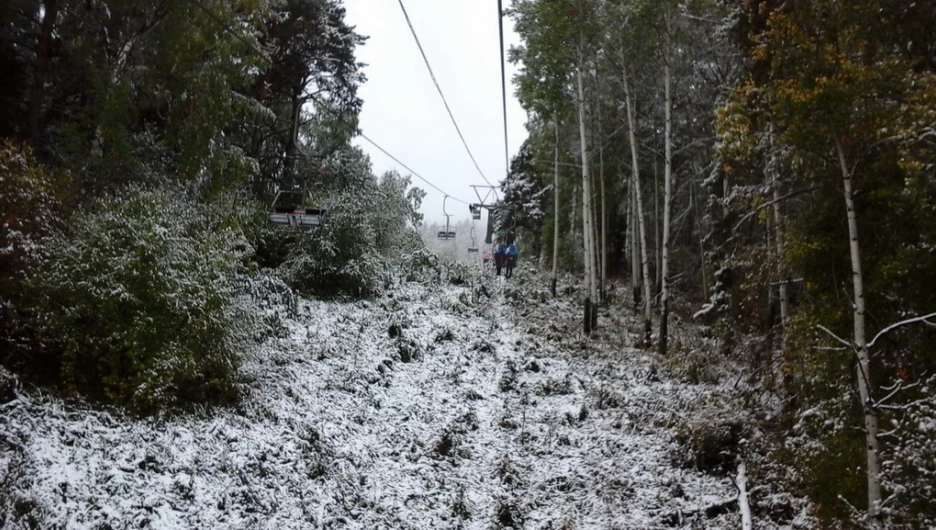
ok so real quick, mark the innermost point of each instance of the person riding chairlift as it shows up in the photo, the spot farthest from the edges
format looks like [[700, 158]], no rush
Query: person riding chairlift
[[511, 258], [500, 251], [488, 255]]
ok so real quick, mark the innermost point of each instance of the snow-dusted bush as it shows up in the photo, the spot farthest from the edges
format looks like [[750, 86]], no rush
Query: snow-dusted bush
[[341, 259], [29, 215], [371, 229], [139, 299]]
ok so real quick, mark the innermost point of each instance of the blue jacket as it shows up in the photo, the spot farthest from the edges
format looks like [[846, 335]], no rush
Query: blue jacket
[[499, 249], [512, 250]]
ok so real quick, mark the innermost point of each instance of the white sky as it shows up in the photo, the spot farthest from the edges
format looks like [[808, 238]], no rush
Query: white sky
[[405, 115]]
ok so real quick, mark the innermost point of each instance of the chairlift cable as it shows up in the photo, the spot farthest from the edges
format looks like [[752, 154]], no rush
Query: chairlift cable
[[415, 174], [227, 28], [500, 24], [441, 94]]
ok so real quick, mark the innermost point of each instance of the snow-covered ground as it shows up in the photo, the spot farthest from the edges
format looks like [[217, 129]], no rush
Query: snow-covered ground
[[436, 407]]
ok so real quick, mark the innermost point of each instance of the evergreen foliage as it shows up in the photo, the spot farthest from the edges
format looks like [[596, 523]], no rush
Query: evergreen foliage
[[156, 120], [139, 301], [767, 101], [30, 216]]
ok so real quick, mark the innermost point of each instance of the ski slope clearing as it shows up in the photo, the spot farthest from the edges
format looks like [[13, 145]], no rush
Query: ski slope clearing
[[435, 407]]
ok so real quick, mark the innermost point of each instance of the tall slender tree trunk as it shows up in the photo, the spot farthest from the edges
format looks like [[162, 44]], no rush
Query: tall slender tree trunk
[[604, 214], [636, 284], [657, 244], [573, 215], [645, 265], [261, 93], [261, 187], [667, 191], [872, 450], [698, 218], [596, 253], [555, 256], [778, 243], [41, 71], [292, 144], [586, 198], [97, 143]]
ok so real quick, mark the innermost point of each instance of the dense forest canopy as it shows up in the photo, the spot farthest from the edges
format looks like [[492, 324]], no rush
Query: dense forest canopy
[[762, 169], [766, 168], [142, 146]]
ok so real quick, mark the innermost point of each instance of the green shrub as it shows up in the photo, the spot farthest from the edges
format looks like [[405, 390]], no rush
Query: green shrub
[[341, 259], [28, 218], [371, 230], [140, 300]]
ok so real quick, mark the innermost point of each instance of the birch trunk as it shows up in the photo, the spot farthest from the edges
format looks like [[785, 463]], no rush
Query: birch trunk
[[698, 217], [555, 258], [595, 235], [667, 192], [747, 522], [573, 215], [604, 214], [641, 225], [657, 246], [778, 243], [872, 451], [596, 254], [97, 144], [586, 197], [636, 284], [292, 145]]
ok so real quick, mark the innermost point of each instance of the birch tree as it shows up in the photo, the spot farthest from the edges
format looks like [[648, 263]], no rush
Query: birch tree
[[667, 184], [587, 216], [841, 111], [555, 252], [640, 226]]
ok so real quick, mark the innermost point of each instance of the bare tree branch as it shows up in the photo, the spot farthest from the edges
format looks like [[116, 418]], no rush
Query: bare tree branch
[[768, 204], [896, 325], [836, 337]]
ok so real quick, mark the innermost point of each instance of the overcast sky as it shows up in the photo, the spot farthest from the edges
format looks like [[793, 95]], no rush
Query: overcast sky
[[405, 115]]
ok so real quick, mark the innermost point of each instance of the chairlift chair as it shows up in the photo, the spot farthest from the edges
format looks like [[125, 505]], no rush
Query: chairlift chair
[[473, 249], [475, 211], [286, 212], [446, 234]]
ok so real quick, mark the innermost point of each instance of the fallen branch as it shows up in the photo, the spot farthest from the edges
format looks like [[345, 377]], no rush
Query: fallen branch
[[711, 511], [741, 483]]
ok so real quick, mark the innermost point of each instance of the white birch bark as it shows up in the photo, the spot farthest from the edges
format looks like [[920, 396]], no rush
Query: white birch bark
[[667, 190], [97, 144], [779, 242], [604, 215], [636, 284], [747, 522], [638, 198], [555, 258], [586, 191], [657, 245], [872, 450]]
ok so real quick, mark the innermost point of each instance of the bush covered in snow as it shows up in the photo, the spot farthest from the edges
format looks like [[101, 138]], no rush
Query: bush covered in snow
[[341, 259], [371, 229], [139, 301], [29, 217]]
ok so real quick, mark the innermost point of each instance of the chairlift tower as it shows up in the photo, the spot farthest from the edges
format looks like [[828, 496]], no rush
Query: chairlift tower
[[484, 202]]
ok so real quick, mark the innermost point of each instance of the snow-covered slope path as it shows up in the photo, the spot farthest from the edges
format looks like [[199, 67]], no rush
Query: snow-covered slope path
[[432, 408]]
